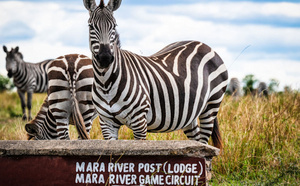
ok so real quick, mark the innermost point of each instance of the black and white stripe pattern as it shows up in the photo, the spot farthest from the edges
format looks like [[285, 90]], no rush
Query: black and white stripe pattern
[[164, 92], [43, 126], [69, 100], [27, 77]]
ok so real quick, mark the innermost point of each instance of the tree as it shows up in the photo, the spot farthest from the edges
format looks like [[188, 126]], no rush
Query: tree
[[249, 81], [5, 83], [273, 85], [287, 89]]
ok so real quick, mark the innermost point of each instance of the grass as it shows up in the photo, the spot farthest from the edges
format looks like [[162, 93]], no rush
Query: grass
[[261, 137], [261, 141]]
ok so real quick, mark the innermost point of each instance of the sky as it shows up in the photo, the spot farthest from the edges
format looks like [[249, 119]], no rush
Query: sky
[[252, 37]]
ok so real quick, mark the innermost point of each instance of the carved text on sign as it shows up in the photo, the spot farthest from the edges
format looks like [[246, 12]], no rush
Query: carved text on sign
[[157, 172]]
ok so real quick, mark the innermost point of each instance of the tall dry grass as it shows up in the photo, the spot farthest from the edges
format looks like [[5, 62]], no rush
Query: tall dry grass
[[261, 140], [11, 123], [261, 137]]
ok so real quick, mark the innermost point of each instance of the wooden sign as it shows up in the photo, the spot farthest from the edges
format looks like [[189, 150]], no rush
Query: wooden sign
[[102, 170]]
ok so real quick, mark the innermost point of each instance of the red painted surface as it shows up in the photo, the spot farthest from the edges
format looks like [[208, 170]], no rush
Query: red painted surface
[[101, 170]]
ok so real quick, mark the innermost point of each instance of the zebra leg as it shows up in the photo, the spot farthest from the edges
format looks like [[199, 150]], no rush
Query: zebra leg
[[206, 128], [192, 131], [139, 129], [22, 98], [89, 119], [61, 113], [63, 129], [87, 111], [29, 101], [109, 131]]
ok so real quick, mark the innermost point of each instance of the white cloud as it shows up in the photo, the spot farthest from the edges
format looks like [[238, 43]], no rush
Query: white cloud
[[282, 9], [287, 72], [273, 53]]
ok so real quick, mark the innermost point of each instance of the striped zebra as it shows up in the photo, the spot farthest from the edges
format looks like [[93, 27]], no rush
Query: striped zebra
[[234, 88], [28, 77], [69, 100], [164, 92], [262, 90]]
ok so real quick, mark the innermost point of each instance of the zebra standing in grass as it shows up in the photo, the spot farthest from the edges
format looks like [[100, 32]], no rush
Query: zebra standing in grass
[[28, 77], [69, 100], [164, 92], [234, 88], [262, 90]]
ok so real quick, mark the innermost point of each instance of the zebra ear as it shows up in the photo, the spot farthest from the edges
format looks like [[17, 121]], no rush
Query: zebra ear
[[31, 129], [16, 49], [113, 5], [90, 5], [4, 49]]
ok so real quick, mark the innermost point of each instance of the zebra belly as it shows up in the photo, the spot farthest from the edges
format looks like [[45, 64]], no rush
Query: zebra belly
[[169, 120]]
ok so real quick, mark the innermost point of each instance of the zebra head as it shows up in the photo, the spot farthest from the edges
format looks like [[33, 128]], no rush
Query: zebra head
[[13, 57], [102, 29], [36, 131], [33, 131]]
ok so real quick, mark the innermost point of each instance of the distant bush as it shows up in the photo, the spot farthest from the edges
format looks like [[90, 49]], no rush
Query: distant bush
[[5, 83]]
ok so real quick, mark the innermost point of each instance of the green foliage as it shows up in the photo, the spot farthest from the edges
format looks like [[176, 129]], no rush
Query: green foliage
[[273, 85], [5, 83], [249, 81]]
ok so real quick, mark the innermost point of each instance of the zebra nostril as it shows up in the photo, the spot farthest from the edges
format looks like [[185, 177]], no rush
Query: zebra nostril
[[9, 73], [105, 59], [104, 56]]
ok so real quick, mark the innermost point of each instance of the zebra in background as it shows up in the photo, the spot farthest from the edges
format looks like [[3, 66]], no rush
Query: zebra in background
[[234, 88], [262, 90], [27, 77], [164, 92], [69, 100]]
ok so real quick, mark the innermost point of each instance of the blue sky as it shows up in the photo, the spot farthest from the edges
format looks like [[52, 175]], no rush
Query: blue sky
[[252, 37]]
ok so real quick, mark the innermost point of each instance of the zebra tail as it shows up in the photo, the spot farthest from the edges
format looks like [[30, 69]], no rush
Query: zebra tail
[[78, 120], [216, 136]]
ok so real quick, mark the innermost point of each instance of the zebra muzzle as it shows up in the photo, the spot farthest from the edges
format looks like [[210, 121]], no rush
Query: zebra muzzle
[[9, 74], [104, 56]]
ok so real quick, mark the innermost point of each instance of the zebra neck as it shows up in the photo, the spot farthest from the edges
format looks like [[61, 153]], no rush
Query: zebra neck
[[106, 79], [20, 73]]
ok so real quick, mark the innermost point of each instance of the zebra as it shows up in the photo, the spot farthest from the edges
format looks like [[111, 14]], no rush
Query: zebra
[[164, 92], [234, 88], [262, 90], [69, 99], [27, 77]]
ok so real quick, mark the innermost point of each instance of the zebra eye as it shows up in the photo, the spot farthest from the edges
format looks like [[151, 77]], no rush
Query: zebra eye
[[112, 35], [96, 48], [90, 25]]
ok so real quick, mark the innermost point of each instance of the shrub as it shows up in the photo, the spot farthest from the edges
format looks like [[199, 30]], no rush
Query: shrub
[[5, 83]]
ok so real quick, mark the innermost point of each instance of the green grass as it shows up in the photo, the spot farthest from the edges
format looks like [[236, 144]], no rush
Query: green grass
[[261, 137]]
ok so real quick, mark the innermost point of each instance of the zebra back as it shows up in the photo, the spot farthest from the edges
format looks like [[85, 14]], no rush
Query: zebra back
[[26, 76]]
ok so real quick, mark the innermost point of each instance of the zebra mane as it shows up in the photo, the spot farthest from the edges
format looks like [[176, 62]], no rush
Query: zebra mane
[[101, 5], [118, 39], [14, 51], [18, 53], [21, 55]]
